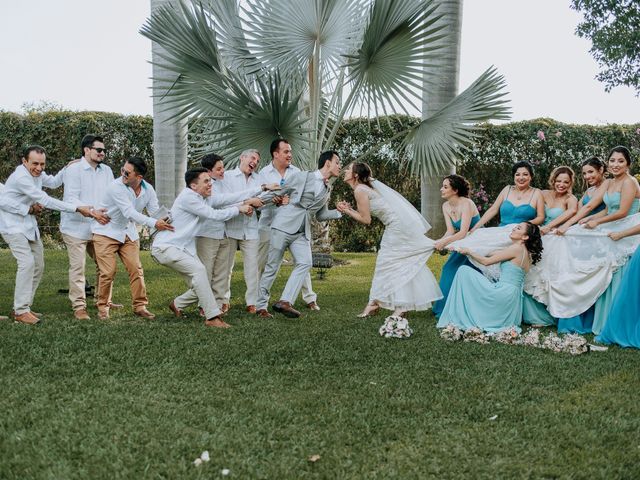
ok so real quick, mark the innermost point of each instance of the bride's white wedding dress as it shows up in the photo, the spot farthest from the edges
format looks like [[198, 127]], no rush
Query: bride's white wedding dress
[[401, 280]]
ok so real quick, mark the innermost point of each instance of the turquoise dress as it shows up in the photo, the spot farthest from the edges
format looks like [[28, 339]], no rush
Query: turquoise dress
[[476, 301], [534, 312], [603, 304], [454, 262], [509, 213], [623, 324], [582, 323]]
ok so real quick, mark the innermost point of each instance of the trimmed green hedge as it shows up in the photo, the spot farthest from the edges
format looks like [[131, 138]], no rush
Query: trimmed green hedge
[[487, 164]]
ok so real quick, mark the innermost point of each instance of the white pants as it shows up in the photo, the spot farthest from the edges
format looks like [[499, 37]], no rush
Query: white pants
[[194, 273], [30, 257], [300, 249], [214, 255], [249, 249], [308, 295]]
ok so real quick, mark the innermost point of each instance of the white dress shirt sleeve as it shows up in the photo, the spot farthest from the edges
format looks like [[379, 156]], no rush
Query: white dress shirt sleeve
[[153, 206], [192, 205], [53, 181], [26, 186], [123, 203]]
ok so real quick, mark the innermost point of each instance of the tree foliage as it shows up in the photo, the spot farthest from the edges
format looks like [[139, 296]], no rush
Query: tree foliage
[[613, 26]]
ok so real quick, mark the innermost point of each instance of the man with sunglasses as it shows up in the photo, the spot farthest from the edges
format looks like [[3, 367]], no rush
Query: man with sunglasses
[[278, 171], [85, 182], [124, 201]]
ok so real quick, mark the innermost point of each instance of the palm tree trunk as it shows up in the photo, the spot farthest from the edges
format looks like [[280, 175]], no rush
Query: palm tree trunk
[[169, 137], [444, 76]]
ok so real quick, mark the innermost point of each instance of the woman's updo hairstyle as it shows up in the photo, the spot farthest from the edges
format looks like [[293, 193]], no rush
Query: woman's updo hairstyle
[[522, 164], [363, 172], [460, 184], [558, 171], [534, 242]]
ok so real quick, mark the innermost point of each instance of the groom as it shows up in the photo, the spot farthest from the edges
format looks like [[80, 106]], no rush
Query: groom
[[291, 228]]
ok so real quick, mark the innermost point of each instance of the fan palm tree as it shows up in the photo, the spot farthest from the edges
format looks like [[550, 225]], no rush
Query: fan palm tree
[[247, 72], [169, 134]]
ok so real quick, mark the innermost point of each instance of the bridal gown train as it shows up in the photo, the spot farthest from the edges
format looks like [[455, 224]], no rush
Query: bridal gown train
[[401, 279]]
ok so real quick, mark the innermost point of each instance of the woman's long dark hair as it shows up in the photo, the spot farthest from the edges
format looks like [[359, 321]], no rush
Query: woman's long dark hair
[[534, 243]]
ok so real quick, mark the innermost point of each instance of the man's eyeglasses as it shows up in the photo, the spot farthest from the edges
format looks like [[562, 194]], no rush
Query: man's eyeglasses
[[99, 149], [125, 174]]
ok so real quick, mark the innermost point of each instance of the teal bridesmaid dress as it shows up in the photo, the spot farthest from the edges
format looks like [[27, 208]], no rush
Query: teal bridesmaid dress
[[603, 304], [476, 301], [623, 324], [534, 312], [582, 323], [450, 268]]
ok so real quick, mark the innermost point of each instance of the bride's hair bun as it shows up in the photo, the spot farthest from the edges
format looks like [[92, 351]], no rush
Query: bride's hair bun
[[363, 172]]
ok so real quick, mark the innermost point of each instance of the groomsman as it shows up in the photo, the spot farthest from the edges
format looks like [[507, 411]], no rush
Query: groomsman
[[278, 171], [242, 232], [291, 228], [21, 199], [177, 249], [85, 182], [124, 200], [212, 245]]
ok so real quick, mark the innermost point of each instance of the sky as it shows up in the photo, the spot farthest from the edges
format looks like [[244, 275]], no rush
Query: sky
[[88, 55]]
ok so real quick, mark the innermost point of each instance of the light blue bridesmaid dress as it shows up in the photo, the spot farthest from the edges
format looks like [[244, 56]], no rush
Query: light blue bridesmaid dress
[[534, 312], [623, 324], [476, 301], [510, 213], [603, 304], [454, 262], [582, 323]]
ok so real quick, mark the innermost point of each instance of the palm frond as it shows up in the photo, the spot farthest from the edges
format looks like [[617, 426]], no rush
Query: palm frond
[[434, 142], [399, 41], [254, 119]]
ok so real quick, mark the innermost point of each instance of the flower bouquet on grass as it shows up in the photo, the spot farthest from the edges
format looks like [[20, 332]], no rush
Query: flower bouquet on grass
[[395, 326]]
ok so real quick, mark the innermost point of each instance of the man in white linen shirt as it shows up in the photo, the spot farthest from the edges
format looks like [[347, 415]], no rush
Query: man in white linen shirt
[[20, 229], [278, 171], [177, 250], [212, 245], [85, 182], [242, 231], [125, 199]]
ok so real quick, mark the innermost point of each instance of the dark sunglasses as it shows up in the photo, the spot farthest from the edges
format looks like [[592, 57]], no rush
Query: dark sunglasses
[[99, 150], [125, 174]]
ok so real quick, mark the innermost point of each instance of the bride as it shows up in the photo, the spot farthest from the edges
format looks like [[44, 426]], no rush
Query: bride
[[401, 281]]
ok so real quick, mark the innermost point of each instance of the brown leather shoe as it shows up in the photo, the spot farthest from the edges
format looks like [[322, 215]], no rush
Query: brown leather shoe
[[103, 314], [225, 308], [313, 306], [286, 309], [35, 314], [144, 313], [176, 311], [115, 305], [27, 318], [263, 313], [81, 314], [216, 322], [251, 309]]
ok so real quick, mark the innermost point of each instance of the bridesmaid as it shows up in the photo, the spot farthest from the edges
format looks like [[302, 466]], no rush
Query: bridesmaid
[[621, 195], [623, 325], [593, 172], [460, 214], [528, 206], [476, 302], [559, 202], [559, 205]]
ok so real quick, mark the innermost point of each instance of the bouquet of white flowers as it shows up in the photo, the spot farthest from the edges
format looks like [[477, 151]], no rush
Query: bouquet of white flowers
[[396, 327]]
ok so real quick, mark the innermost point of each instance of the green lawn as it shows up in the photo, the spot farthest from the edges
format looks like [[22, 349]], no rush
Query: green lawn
[[130, 398]]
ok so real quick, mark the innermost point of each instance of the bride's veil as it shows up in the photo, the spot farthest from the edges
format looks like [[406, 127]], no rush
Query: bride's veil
[[406, 212]]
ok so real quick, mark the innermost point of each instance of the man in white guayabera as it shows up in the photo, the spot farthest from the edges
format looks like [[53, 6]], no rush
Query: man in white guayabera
[[20, 229]]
